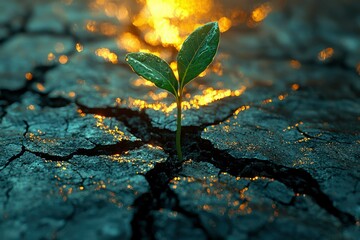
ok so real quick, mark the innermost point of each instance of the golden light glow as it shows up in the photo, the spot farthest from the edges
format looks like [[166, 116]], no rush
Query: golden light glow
[[296, 125], [160, 27], [236, 200], [81, 113], [79, 47], [38, 138], [142, 82], [91, 26], [217, 68], [106, 54], [141, 104], [129, 41], [156, 24], [100, 185], [241, 109], [72, 94], [267, 101], [122, 13], [108, 29], [325, 54], [40, 87], [63, 59], [358, 68], [51, 56], [138, 160], [295, 87], [282, 97], [173, 66], [224, 24], [105, 28], [28, 76], [158, 97], [203, 74], [111, 9], [115, 131], [295, 64], [31, 107], [209, 95], [305, 159], [261, 12], [166, 22]]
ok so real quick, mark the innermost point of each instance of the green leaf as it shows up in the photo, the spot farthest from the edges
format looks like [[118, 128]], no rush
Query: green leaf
[[197, 52], [153, 69]]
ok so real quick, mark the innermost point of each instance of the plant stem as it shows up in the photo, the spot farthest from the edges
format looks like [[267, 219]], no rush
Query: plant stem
[[178, 128]]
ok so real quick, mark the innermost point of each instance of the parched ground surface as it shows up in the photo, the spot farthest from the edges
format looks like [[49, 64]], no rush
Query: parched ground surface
[[271, 137]]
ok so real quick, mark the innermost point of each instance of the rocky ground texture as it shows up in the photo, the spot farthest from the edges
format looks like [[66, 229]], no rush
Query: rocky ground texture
[[271, 142]]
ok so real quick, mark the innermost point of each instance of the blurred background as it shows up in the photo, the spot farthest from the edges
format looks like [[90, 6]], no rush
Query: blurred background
[[82, 35]]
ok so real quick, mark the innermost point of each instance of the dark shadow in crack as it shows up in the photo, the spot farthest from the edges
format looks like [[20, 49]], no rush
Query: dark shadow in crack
[[201, 150]]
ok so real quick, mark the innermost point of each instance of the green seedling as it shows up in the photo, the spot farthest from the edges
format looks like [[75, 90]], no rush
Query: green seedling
[[195, 55]]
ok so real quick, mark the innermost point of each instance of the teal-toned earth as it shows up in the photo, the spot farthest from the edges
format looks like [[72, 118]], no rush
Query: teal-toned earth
[[271, 132]]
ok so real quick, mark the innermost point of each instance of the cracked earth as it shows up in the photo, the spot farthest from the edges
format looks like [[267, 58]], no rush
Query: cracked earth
[[272, 142]]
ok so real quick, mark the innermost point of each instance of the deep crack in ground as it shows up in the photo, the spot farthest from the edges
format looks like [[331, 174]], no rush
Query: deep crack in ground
[[117, 148], [194, 147], [201, 150], [160, 195]]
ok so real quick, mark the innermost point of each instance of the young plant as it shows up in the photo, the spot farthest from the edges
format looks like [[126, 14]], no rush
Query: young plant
[[195, 55]]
